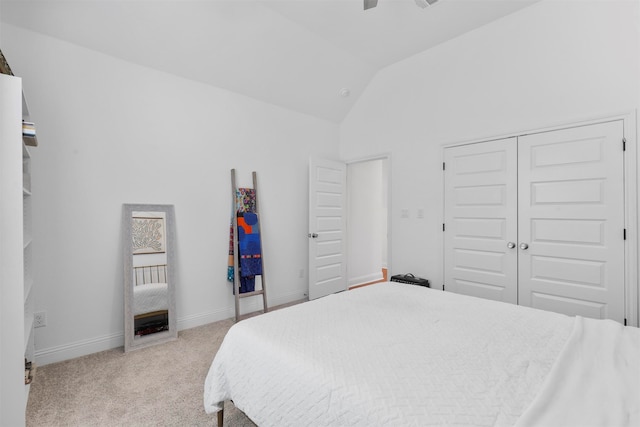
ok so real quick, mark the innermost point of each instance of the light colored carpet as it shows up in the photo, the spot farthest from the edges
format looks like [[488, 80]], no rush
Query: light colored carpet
[[157, 386]]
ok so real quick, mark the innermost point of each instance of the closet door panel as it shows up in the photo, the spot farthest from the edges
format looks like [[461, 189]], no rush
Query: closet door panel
[[571, 216], [480, 220]]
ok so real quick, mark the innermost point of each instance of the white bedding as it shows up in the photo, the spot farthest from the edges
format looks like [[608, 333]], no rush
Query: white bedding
[[594, 382], [390, 354], [150, 297]]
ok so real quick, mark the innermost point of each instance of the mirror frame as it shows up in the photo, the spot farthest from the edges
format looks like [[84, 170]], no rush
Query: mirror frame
[[130, 342]]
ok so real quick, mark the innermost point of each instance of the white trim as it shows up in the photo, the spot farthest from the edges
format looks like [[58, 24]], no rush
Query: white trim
[[627, 115], [88, 346], [246, 307], [79, 348], [382, 156], [629, 120], [366, 279], [631, 219], [286, 298], [200, 319]]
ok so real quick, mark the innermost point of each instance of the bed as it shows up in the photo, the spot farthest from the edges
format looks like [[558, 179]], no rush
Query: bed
[[150, 299], [394, 354]]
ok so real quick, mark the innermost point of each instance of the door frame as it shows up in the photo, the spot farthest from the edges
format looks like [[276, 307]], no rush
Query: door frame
[[387, 157], [631, 161]]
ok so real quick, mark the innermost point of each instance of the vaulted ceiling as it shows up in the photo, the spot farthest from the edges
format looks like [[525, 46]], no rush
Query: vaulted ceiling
[[298, 54]]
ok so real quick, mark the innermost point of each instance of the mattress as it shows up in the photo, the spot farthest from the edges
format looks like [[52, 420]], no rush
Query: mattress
[[391, 354], [150, 297]]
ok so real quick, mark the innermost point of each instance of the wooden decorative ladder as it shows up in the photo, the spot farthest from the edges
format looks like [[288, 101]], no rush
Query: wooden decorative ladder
[[236, 251]]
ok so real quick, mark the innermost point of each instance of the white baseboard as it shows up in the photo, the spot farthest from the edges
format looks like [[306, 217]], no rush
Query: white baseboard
[[287, 298], [366, 279], [80, 348], [200, 319]]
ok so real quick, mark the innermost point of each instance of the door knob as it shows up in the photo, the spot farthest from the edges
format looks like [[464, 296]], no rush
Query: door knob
[[511, 245], [524, 246], [313, 235]]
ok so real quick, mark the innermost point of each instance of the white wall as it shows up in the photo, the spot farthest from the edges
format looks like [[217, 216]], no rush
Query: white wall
[[552, 63], [111, 133]]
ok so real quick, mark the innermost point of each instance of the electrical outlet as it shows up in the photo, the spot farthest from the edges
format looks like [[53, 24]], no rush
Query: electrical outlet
[[40, 319]]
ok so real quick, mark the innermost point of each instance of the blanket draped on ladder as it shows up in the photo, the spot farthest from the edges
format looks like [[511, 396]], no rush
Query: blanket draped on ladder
[[248, 241]]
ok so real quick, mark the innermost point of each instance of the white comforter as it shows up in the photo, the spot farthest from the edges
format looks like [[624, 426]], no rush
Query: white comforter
[[150, 297], [594, 382], [387, 355]]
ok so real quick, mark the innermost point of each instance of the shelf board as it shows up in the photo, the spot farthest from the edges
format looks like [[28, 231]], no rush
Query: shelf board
[[250, 294], [26, 154], [27, 389], [25, 109], [31, 141], [28, 285], [28, 330]]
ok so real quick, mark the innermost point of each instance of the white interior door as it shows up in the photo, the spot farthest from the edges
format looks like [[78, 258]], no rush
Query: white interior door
[[571, 214], [327, 227], [480, 214]]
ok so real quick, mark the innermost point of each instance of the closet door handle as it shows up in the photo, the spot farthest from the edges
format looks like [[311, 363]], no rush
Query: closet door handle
[[524, 246], [511, 245], [313, 235]]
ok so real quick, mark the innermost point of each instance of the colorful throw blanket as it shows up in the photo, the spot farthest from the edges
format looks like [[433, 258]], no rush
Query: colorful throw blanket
[[249, 244], [245, 203]]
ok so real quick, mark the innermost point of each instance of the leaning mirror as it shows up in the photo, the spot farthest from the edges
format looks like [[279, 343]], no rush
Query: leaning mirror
[[149, 275]]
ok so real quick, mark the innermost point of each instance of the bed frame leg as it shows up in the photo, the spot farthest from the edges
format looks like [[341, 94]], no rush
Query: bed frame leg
[[220, 417]]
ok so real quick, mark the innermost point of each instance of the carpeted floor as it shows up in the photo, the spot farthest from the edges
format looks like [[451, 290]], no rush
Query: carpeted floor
[[156, 386]]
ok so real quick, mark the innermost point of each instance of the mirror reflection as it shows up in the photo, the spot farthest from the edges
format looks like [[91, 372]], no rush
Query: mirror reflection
[[150, 290], [149, 306]]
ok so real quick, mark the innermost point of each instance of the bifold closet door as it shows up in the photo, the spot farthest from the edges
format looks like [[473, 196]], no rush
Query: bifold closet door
[[571, 221], [480, 214]]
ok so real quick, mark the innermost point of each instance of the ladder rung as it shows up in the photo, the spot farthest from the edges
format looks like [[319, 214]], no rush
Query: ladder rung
[[250, 294]]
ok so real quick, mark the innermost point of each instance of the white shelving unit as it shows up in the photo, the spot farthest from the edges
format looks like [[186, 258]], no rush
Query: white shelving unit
[[27, 239], [16, 277]]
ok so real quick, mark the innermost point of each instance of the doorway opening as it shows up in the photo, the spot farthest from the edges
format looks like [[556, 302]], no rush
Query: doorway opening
[[367, 221]]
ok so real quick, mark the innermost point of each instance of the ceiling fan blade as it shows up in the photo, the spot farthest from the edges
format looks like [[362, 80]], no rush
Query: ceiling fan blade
[[368, 4], [425, 3]]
